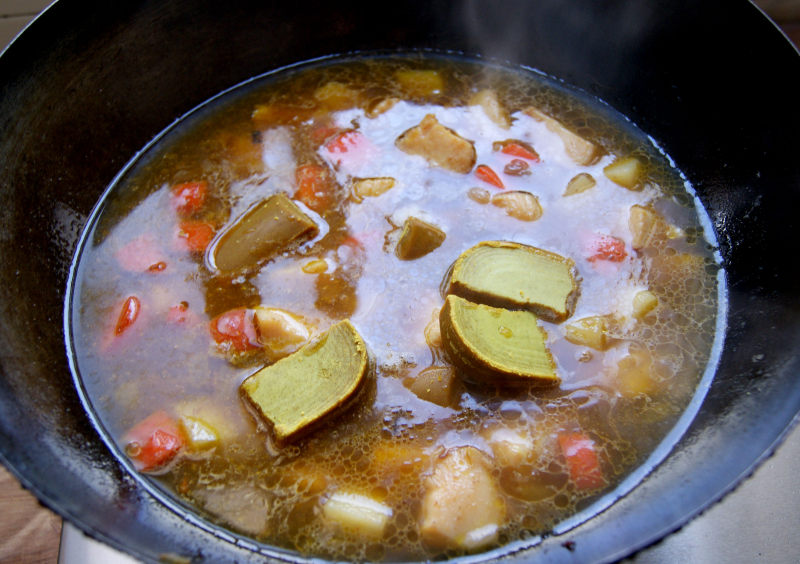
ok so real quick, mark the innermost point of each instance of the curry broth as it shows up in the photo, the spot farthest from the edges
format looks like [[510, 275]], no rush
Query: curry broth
[[620, 397]]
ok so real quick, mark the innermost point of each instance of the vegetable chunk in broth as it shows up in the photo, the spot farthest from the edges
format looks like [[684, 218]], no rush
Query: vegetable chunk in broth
[[394, 308]]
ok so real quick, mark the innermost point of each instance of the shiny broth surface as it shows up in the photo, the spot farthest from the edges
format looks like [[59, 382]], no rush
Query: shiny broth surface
[[423, 462]]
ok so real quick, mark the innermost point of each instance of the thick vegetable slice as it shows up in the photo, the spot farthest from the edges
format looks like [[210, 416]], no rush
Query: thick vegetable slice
[[417, 239], [267, 229], [310, 386], [583, 461], [439, 145], [496, 346], [153, 442], [512, 275]]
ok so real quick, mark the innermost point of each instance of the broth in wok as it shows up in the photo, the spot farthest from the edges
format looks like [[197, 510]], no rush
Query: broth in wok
[[394, 308]]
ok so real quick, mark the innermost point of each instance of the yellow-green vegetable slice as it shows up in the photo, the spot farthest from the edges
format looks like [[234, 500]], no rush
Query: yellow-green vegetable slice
[[517, 276], [311, 385], [495, 345]]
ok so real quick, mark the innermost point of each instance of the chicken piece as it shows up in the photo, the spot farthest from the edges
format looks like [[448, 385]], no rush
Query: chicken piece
[[462, 507], [580, 150], [441, 146]]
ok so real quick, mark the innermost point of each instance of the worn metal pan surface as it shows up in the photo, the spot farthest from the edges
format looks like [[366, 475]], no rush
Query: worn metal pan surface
[[90, 83]]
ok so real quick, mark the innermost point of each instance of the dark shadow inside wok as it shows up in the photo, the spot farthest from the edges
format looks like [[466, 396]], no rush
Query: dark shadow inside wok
[[90, 83]]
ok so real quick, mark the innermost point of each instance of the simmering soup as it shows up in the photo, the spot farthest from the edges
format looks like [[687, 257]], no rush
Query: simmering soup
[[393, 308]]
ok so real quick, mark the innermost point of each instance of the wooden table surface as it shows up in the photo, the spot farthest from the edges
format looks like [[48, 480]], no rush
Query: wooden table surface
[[29, 533]]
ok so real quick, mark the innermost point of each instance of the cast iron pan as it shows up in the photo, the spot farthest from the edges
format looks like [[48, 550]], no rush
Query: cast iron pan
[[90, 83]]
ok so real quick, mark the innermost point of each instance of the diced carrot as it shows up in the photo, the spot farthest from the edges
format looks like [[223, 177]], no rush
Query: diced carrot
[[583, 461], [521, 150], [153, 442], [607, 247], [235, 330], [194, 236], [315, 186], [128, 314], [189, 197], [344, 141], [488, 175], [143, 254], [322, 132], [349, 150]]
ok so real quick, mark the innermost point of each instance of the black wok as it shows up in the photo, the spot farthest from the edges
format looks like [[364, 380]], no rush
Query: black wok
[[89, 83]]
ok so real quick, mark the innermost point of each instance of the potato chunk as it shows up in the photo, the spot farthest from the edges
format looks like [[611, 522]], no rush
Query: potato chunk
[[267, 229], [491, 106], [436, 384], [439, 145], [420, 82], [462, 507], [644, 302], [417, 239], [580, 150], [581, 182], [626, 172], [359, 513], [371, 187], [519, 204], [279, 331], [590, 332]]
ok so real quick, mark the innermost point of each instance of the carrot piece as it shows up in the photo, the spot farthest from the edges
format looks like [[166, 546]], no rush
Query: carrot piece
[[153, 442], [583, 461], [235, 330], [128, 314], [488, 175], [521, 151], [607, 247], [189, 197], [344, 141], [315, 187], [194, 236], [322, 132]]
